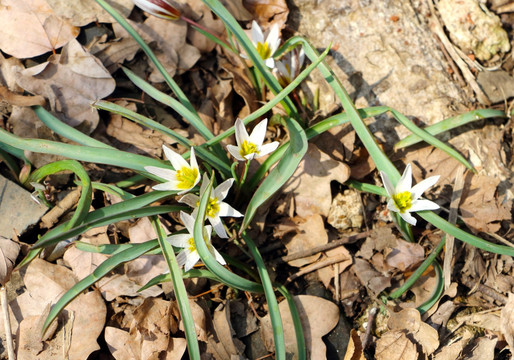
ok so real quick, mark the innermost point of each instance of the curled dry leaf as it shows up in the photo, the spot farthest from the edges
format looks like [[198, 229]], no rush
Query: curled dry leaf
[[8, 253], [13, 98], [354, 351], [405, 255], [317, 315], [81, 80], [395, 345], [310, 184], [370, 278], [31, 28]]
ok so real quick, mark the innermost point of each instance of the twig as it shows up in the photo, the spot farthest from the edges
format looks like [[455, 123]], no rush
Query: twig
[[7, 324], [486, 290], [331, 245], [320, 264], [452, 219], [371, 319]]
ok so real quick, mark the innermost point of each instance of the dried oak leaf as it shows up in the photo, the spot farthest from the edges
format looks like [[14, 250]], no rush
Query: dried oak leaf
[[395, 345], [310, 184], [480, 208], [8, 253], [80, 13], [370, 278], [405, 255], [268, 12], [31, 28], [71, 82], [317, 315]]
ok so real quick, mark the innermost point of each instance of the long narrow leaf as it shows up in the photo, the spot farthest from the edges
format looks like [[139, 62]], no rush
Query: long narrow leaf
[[102, 270], [281, 173], [298, 329]]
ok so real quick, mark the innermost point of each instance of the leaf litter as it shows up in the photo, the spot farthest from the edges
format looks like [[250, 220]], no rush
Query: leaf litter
[[472, 320]]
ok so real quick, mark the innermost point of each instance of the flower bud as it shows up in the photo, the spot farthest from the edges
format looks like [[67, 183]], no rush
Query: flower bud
[[160, 8]]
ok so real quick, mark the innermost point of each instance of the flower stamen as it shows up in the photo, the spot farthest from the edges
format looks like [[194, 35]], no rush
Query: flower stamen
[[186, 178], [248, 148], [403, 200]]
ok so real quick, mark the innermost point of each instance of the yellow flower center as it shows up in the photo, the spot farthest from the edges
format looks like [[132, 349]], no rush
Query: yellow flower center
[[186, 178], [213, 207], [264, 50], [248, 148], [191, 245], [403, 200]]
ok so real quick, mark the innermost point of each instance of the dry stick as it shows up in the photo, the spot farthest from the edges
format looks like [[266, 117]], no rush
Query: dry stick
[[437, 28], [371, 319], [484, 289], [320, 264], [331, 245], [452, 219], [7, 324]]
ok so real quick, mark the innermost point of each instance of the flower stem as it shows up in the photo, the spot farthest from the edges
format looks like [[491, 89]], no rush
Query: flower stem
[[202, 29]]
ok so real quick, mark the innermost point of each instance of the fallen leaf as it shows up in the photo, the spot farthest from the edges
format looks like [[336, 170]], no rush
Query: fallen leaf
[[81, 80], [9, 251], [483, 349], [405, 255], [395, 345], [268, 12], [317, 315], [481, 210], [227, 345], [507, 322], [310, 184], [310, 232], [117, 341], [327, 273], [80, 13], [354, 350], [13, 98], [31, 28], [370, 278]]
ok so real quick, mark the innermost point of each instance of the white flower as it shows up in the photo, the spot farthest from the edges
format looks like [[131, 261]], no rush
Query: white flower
[[160, 8], [250, 147], [265, 48], [183, 178], [289, 67], [405, 198], [189, 256], [216, 208]]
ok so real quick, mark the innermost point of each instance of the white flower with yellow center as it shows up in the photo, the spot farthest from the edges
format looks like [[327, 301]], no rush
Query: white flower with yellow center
[[289, 67], [183, 178], [250, 146], [266, 47], [216, 207], [189, 256], [405, 198], [160, 8]]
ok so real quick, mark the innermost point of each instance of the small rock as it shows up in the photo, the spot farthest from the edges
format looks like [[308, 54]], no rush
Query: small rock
[[18, 209], [497, 85], [346, 211]]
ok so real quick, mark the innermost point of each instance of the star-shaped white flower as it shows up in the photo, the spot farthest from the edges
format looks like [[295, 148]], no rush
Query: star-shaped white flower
[[183, 178], [189, 256], [289, 67], [216, 207], [266, 47], [160, 8], [405, 198], [250, 146]]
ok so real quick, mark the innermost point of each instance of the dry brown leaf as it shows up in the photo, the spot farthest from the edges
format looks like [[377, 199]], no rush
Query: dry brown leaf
[[117, 341], [423, 288], [201, 13], [13, 98], [236, 8], [483, 349], [81, 80], [405, 255], [310, 184], [114, 52], [317, 315], [327, 273], [31, 28], [80, 13], [268, 12], [310, 232], [354, 350], [9, 251], [395, 345], [369, 277], [507, 322], [227, 345], [409, 320], [480, 208]]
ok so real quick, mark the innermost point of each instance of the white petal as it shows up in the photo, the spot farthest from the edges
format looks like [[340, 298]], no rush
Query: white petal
[[188, 221], [179, 240], [194, 165], [270, 62], [218, 256], [250, 157], [418, 189], [391, 205], [408, 217], [423, 204], [190, 200], [208, 232], [405, 182], [301, 58], [182, 257], [283, 70], [184, 191], [218, 227], [227, 210], [241, 133], [258, 133], [163, 173], [268, 148], [235, 152], [257, 35], [175, 159], [205, 182], [222, 189], [167, 186], [387, 184], [273, 38], [191, 260]]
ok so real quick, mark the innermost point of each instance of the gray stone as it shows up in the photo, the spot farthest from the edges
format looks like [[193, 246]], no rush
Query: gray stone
[[18, 209]]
